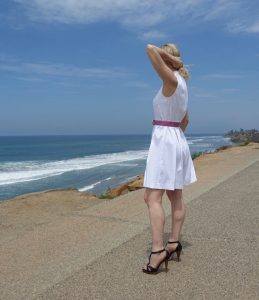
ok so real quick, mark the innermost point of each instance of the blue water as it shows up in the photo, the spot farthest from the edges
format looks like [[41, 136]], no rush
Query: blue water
[[90, 163]]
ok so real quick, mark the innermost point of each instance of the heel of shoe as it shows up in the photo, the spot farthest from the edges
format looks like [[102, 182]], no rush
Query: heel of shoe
[[178, 254], [166, 265], [178, 251]]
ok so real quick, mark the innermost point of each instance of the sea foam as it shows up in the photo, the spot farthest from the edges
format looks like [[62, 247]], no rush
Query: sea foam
[[14, 172], [89, 187]]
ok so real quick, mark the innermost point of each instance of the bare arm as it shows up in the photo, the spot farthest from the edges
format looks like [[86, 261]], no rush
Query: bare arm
[[185, 121], [159, 59], [173, 61]]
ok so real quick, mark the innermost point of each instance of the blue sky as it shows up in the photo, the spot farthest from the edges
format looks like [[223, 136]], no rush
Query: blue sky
[[80, 67]]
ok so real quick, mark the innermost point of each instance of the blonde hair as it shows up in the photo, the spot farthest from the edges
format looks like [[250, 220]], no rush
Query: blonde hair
[[173, 50]]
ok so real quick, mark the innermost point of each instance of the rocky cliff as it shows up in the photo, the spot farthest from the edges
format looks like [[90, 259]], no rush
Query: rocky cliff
[[240, 136]]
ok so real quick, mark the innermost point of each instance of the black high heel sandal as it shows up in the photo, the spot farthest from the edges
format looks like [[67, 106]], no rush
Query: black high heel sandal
[[152, 270], [178, 250]]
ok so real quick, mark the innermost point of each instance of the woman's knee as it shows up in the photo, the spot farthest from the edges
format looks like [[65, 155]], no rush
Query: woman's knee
[[153, 195], [146, 196]]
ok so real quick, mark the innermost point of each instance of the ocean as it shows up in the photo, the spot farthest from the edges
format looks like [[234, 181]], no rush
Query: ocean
[[89, 163]]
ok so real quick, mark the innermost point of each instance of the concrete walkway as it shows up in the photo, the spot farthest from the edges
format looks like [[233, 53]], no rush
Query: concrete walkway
[[59, 249], [220, 260]]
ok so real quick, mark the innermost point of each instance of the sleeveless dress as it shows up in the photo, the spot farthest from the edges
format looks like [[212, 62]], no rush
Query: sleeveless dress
[[169, 163]]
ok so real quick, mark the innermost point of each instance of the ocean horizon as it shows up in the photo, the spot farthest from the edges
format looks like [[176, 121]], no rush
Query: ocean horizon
[[90, 163]]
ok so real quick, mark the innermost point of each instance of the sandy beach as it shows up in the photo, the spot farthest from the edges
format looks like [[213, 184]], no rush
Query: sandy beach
[[65, 244]]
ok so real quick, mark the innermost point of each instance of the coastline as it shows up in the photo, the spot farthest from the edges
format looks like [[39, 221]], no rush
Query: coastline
[[78, 162], [137, 182], [121, 189], [126, 187], [55, 236]]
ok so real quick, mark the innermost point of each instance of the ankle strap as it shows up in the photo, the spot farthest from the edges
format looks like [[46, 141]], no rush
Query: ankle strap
[[159, 251], [173, 242]]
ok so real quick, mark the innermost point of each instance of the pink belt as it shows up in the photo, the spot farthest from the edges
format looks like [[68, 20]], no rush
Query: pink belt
[[166, 123]]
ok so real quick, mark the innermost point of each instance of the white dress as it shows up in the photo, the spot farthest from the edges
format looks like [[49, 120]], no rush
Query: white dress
[[169, 163]]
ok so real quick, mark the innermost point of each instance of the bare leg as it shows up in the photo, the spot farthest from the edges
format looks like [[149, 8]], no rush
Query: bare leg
[[178, 215], [153, 199]]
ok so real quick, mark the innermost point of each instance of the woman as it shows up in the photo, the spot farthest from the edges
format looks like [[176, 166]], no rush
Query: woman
[[169, 165]]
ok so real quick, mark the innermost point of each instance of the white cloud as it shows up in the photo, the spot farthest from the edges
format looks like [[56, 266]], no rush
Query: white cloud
[[153, 35], [49, 69], [31, 79], [235, 27], [222, 8], [144, 14], [254, 27], [89, 11], [243, 26]]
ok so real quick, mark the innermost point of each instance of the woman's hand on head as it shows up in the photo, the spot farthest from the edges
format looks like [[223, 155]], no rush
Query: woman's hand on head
[[170, 60], [161, 61]]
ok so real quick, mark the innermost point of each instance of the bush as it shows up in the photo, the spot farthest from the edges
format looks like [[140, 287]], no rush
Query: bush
[[104, 196], [244, 143], [196, 154], [224, 147]]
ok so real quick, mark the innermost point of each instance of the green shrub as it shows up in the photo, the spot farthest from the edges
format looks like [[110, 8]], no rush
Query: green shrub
[[224, 147], [104, 196], [196, 154], [244, 143]]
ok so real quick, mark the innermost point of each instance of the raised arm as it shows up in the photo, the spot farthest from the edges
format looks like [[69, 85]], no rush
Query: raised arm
[[185, 121], [160, 59]]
